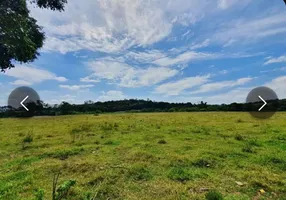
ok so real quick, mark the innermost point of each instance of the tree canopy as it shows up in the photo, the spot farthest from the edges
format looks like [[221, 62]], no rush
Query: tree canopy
[[20, 36], [135, 105]]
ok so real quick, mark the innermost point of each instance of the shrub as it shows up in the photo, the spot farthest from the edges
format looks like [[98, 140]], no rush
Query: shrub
[[214, 195]]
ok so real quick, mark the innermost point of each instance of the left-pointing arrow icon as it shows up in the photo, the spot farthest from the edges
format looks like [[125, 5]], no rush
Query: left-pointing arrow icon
[[265, 103], [22, 103]]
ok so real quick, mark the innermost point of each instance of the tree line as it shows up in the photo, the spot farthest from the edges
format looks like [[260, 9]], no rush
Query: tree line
[[134, 105]]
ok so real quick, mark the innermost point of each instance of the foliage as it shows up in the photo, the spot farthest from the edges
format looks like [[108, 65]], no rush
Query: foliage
[[136, 105], [64, 189], [39, 194], [20, 36]]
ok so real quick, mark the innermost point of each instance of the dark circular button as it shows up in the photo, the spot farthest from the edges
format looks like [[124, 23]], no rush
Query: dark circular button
[[262, 102], [25, 100]]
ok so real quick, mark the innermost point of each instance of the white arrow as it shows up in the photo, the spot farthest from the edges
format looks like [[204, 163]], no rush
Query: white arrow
[[23, 102], [265, 103]]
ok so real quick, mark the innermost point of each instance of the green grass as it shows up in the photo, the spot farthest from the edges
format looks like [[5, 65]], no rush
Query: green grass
[[145, 156]]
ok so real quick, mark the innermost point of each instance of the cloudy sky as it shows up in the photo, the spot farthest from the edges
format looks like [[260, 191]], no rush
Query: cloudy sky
[[164, 50]]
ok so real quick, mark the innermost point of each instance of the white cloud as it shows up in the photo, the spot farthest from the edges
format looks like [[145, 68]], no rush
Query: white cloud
[[126, 76], [75, 87], [275, 60], [205, 43], [185, 57], [211, 87], [177, 87], [146, 56], [278, 85], [111, 95], [31, 75], [187, 35], [225, 4], [107, 26], [89, 79], [237, 95], [246, 29], [223, 72], [71, 96], [112, 26], [21, 83], [281, 69]]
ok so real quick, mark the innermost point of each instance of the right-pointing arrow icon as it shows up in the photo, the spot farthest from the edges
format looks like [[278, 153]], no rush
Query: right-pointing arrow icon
[[265, 103], [22, 103]]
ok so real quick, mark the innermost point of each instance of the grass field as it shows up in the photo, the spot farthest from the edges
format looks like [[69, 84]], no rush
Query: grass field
[[145, 156]]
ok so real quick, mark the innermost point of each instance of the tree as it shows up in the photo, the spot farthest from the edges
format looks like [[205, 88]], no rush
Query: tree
[[20, 36]]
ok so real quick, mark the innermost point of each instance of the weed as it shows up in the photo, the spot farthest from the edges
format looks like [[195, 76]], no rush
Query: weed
[[248, 148], [61, 192], [139, 173], [254, 142], [162, 142], [107, 127], [96, 181], [239, 137], [78, 132], [63, 154], [39, 194], [110, 142], [107, 192], [179, 174], [214, 195], [27, 140], [204, 162], [63, 189], [74, 133]]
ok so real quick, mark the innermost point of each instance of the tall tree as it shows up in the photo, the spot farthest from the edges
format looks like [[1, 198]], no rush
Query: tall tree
[[20, 36]]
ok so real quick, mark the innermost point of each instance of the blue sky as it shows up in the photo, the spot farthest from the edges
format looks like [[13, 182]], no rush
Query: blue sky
[[165, 50]]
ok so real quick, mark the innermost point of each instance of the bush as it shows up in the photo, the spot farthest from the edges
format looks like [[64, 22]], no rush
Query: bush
[[214, 195]]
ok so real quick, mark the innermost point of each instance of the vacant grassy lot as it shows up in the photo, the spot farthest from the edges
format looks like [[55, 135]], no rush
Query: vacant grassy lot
[[144, 156]]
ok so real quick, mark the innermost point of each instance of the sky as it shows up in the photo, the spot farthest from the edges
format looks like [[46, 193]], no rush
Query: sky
[[214, 51]]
